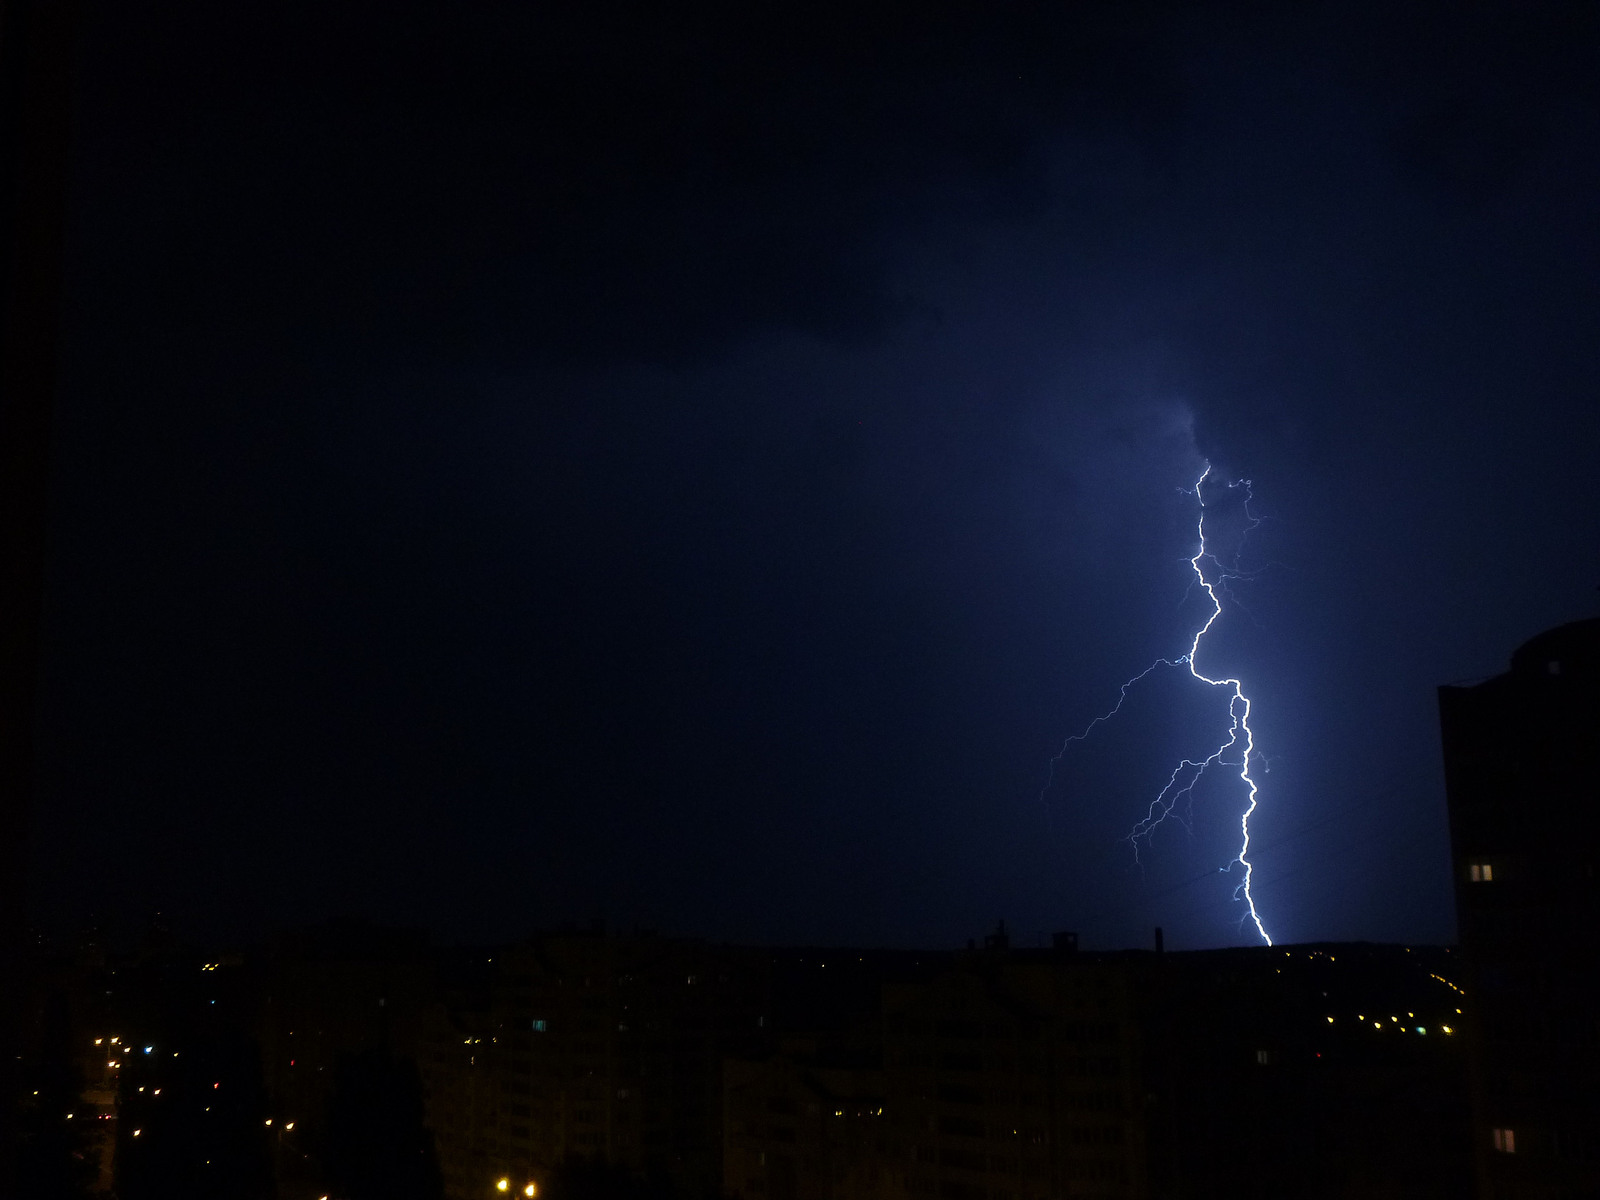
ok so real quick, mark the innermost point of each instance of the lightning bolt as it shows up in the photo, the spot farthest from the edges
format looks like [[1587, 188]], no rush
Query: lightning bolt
[[1181, 783]]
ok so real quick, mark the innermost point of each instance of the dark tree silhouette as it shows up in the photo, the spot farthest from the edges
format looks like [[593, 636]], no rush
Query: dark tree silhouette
[[54, 1160], [377, 1145], [596, 1179]]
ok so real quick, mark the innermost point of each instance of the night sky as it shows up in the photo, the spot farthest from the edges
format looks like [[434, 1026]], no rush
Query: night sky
[[693, 465]]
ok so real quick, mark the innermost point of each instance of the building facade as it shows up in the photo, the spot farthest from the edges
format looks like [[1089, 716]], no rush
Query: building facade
[[1001, 1074], [1524, 808]]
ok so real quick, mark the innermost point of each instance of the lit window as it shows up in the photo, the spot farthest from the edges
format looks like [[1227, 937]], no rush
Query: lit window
[[1264, 1057], [1505, 1141], [540, 1026], [1481, 873]]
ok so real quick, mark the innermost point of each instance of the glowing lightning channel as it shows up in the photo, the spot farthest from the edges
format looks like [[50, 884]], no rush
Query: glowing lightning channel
[[1184, 777], [1238, 703]]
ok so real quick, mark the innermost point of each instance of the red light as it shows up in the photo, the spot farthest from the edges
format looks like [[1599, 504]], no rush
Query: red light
[[291, 1062]]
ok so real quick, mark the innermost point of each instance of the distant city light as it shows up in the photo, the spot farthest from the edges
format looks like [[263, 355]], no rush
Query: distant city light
[[530, 1190], [502, 1185], [137, 1132]]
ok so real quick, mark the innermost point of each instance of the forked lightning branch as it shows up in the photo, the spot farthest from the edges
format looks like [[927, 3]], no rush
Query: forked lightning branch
[[1238, 746]]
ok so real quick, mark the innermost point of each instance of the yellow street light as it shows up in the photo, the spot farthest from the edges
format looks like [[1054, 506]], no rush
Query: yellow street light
[[531, 1190], [502, 1184]]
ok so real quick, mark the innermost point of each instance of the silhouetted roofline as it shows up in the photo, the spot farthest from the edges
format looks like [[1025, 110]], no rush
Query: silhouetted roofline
[[1570, 649]]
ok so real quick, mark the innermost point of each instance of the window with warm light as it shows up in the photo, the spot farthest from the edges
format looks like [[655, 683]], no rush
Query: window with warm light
[[1505, 1141], [1481, 872]]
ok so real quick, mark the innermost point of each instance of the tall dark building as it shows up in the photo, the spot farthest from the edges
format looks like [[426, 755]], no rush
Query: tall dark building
[[1519, 754], [591, 1048]]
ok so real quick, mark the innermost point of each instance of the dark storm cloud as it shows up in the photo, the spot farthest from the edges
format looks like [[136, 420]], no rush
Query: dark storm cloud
[[628, 182], [696, 463], [584, 182], [1476, 94]]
